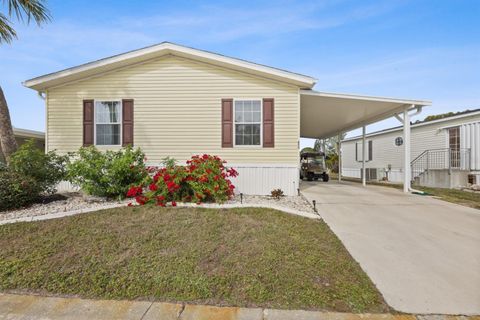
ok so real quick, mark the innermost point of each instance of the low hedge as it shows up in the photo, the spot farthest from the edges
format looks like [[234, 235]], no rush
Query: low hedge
[[17, 190], [107, 174]]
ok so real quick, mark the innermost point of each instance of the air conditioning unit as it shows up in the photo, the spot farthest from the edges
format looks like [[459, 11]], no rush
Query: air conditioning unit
[[373, 174]]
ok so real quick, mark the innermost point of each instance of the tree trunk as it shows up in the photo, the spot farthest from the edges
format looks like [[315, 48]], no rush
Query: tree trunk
[[7, 139]]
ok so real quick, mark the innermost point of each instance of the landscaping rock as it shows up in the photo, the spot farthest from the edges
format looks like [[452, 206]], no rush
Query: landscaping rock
[[57, 203], [75, 201], [292, 202]]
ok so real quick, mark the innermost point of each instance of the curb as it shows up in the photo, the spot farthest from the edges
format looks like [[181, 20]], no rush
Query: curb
[[14, 306]]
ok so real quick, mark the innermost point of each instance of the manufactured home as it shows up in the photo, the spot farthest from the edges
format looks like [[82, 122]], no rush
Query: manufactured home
[[22, 135], [172, 100], [444, 152]]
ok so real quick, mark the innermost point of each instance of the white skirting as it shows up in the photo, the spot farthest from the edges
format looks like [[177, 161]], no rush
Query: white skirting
[[66, 186], [252, 180], [351, 172], [262, 179], [394, 175]]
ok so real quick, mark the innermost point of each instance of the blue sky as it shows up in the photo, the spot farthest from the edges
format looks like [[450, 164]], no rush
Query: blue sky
[[415, 49]]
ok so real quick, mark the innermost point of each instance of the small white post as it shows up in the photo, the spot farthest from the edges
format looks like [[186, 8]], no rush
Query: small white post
[[406, 143], [339, 152], [364, 177]]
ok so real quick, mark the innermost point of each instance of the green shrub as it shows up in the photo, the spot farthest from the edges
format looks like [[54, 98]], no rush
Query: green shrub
[[48, 169], [277, 194], [17, 190], [109, 173]]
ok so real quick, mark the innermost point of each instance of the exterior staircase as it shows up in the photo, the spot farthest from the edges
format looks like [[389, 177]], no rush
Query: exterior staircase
[[441, 168]]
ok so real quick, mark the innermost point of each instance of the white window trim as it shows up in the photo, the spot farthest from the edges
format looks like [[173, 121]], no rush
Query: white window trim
[[95, 123], [359, 153], [235, 145], [395, 141]]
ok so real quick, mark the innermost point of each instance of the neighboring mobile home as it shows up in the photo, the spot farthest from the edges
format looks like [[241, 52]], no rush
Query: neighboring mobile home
[[445, 152], [176, 101], [22, 135]]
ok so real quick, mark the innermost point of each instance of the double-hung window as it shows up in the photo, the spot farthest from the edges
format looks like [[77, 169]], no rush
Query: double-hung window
[[108, 123], [248, 122]]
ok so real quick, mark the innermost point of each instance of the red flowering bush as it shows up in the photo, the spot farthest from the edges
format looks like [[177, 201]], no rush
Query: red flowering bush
[[204, 179]]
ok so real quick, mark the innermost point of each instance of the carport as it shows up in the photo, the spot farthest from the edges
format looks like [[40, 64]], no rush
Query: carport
[[324, 115]]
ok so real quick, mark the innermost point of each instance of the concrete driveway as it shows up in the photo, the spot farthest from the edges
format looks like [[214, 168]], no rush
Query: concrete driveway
[[423, 254]]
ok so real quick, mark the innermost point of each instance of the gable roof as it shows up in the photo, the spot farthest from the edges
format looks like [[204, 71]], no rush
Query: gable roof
[[165, 48], [27, 133], [457, 115]]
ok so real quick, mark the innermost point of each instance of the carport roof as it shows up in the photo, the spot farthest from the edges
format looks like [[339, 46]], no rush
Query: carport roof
[[323, 115]]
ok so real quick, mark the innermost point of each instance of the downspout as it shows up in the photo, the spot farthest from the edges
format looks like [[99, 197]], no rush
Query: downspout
[[43, 96]]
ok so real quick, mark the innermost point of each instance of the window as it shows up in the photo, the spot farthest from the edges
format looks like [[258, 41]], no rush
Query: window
[[108, 123], [454, 138], [398, 141], [248, 122], [359, 151], [454, 145]]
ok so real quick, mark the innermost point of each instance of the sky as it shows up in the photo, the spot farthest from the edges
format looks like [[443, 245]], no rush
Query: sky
[[413, 49]]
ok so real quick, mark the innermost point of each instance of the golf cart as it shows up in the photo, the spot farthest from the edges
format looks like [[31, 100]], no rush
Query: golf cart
[[312, 166]]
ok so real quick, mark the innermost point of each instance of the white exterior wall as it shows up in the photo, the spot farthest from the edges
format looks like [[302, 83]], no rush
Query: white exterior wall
[[424, 137], [470, 138]]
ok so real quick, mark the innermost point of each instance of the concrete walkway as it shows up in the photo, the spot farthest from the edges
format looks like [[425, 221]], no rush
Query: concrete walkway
[[23, 307], [423, 254]]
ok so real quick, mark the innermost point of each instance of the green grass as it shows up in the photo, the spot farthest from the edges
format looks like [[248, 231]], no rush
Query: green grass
[[465, 198], [239, 257]]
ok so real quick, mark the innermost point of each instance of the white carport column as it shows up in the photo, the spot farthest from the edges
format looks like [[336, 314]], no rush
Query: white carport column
[[364, 177], [339, 152], [406, 148], [324, 154]]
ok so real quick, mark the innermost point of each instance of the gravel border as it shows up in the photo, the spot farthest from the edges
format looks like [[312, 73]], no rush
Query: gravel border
[[72, 201], [76, 203]]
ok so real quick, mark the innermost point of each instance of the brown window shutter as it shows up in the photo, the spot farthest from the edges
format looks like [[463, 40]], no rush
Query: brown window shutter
[[227, 123], [88, 123], [268, 123], [127, 122]]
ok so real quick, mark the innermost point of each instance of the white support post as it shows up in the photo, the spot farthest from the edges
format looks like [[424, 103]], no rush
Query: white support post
[[324, 155], [364, 177], [339, 151], [406, 143]]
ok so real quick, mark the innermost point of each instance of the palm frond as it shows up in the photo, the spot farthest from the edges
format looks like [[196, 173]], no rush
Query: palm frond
[[7, 33], [29, 9]]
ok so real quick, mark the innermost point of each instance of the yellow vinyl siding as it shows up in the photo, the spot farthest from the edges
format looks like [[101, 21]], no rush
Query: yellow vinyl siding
[[177, 110]]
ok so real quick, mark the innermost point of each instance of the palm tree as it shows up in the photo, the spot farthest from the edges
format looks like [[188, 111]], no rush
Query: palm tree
[[22, 10], [331, 150]]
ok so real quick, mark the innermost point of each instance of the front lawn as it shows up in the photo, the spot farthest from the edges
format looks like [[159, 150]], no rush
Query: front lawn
[[240, 257], [469, 199]]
